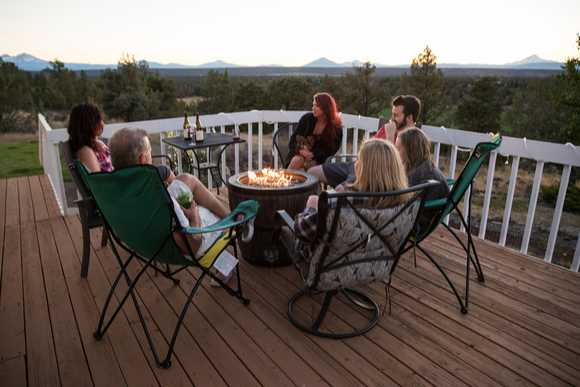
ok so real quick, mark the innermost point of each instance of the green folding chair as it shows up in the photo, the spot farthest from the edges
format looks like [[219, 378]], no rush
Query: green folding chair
[[139, 216], [445, 206]]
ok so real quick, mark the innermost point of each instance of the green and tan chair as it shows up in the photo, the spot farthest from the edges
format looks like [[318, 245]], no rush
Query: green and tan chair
[[441, 208], [139, 216]]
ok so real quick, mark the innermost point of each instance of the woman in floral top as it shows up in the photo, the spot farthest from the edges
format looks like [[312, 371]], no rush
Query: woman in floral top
[[85, 125]]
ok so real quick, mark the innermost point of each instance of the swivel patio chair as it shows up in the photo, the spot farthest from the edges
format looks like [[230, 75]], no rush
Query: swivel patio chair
[[441, 208], [140, 218], [356, 244]]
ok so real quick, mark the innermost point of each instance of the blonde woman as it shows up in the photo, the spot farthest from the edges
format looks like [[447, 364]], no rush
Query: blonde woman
[[379, 168]]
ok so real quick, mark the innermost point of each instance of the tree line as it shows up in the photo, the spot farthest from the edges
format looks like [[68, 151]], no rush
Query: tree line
[[546, 109]]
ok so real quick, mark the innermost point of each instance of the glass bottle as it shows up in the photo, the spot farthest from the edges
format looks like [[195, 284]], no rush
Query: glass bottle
[[199, 132], [186, 128]]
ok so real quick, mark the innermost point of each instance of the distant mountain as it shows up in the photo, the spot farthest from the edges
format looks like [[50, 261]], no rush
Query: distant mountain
[[218, 64], [323, 62], [26, 62], [535, 62], [31, 63]]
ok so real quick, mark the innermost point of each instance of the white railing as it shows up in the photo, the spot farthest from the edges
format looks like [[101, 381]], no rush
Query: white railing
[[566, 155]]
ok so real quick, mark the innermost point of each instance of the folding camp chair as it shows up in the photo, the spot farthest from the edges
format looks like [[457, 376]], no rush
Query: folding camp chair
[[88, 212], [356, 244], [140, 218], [443, 207]]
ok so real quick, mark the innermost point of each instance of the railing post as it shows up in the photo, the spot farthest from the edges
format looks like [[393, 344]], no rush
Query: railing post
[[344, 141], [250, 147], [576, 262], [487, 197], [162, 147], [532, 207], [436, 151], [509, 200], [557, 213], [237, 150], [355, 139], [274, 150], [452, 165], [260, 133]]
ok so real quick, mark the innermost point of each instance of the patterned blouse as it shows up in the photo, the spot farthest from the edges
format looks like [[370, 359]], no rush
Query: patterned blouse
[[104, 157]]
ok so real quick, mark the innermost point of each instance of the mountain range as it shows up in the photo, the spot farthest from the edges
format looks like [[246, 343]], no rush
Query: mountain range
[[29, 62]]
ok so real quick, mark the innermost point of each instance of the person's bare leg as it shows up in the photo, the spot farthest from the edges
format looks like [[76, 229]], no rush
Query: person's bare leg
[[318, 171], [203, 196], [297, 162]]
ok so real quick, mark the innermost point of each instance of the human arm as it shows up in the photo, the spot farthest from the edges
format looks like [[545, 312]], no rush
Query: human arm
[[304, 128], [306, 222], [88, 157], [187, 217], [321, 154]]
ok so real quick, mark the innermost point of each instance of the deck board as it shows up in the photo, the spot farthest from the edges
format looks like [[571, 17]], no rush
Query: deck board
[[523, 325]]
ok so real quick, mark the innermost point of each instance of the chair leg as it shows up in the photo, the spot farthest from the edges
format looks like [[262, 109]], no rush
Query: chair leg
[[238, 292], [356, 298], [166, 363], [323, 311], [104, 237], [462, 305], [470, 247], [86, 247]]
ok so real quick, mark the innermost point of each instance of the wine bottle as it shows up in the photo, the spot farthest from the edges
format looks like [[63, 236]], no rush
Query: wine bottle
[[186, 128], [199, 132]]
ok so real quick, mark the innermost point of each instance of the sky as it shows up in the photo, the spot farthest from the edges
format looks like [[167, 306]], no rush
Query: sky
[[290, 33]]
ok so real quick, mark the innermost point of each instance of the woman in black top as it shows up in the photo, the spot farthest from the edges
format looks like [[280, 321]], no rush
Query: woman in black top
[[318, 135], [415, 150]]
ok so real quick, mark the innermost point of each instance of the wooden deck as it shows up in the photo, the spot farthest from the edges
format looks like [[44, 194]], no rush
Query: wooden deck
[[523, 327]]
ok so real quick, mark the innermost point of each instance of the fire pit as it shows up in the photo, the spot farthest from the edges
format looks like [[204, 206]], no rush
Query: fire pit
[[274, 190]]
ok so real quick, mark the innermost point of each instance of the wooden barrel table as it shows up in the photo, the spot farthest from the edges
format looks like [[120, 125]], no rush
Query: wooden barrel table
[[264, 248]]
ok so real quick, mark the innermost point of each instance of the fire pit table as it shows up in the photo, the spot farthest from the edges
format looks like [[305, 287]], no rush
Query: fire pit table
[[274, 190]]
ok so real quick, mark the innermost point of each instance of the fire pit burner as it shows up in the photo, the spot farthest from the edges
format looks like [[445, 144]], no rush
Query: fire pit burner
[[274, 190]]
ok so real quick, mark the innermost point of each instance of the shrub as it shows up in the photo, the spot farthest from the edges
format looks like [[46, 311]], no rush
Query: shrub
[[572, 202]]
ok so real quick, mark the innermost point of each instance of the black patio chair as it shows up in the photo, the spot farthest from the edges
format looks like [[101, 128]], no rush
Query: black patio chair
[[356, 244], [281, 141], [441, 208]]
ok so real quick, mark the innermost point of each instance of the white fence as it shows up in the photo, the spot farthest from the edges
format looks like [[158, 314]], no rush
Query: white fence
[[566, 155]]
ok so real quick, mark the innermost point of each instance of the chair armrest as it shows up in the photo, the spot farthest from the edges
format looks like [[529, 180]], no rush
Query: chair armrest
[[248, 208], [167, 158], [437, 203], [286, 219], [341, 157]]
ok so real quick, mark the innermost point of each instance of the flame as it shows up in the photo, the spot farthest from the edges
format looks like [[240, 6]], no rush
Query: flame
[[269, 178]]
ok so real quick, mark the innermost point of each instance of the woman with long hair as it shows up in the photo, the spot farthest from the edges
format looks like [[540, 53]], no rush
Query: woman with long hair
[[378, 168], [415, 150], [85, 125], [318, 134]]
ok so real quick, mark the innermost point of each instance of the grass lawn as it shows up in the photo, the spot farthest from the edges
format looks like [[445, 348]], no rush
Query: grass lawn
[[19, 157]]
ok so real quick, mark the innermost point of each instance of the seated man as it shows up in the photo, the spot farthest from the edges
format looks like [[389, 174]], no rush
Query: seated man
[[405, 111], [132, 146]]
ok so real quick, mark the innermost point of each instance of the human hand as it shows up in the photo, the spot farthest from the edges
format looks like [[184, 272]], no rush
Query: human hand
[[312, 201], [390, 126], [306, 154]]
